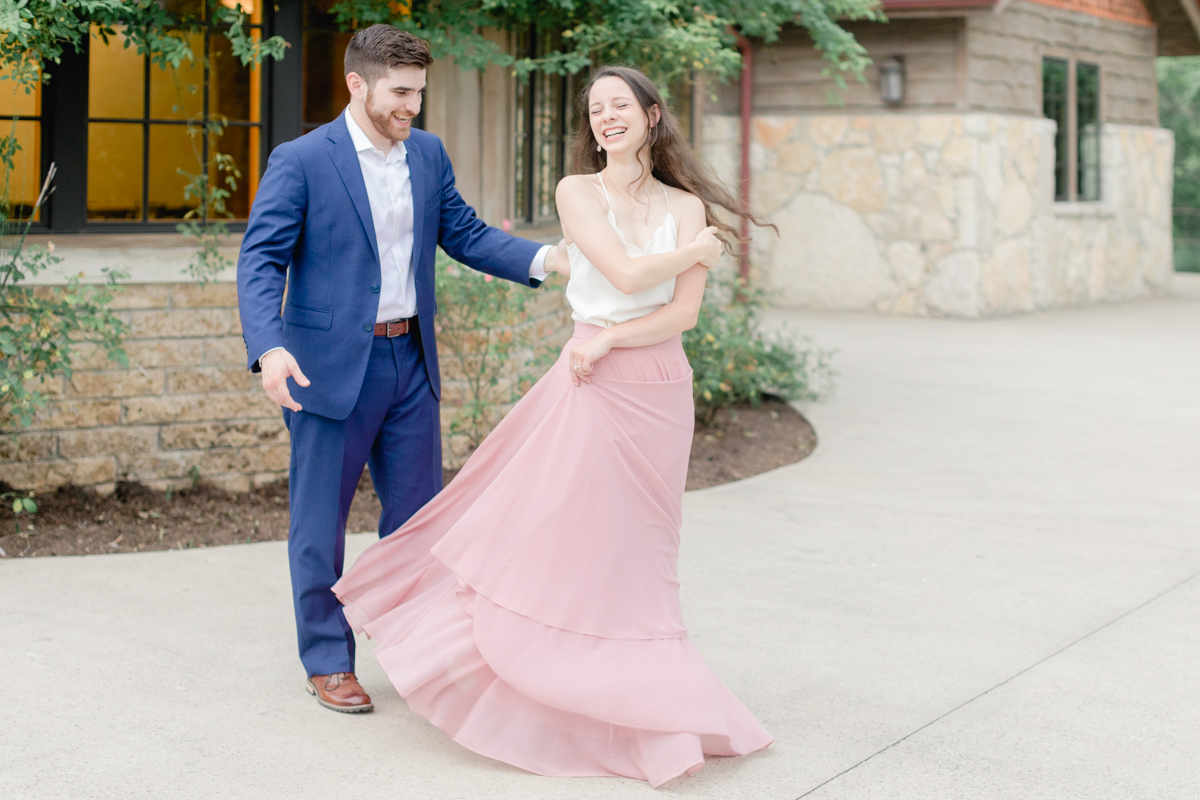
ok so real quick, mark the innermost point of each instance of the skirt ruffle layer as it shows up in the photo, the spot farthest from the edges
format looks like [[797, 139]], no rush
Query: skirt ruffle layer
[[531, 610]]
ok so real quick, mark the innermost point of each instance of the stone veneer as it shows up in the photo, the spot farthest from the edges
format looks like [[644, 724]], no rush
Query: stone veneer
[[948, 214], [187, 408]]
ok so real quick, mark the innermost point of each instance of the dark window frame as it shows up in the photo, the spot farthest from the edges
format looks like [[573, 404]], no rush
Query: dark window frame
[[146, 123], [529, 141], [64, 122], [1078, 161]]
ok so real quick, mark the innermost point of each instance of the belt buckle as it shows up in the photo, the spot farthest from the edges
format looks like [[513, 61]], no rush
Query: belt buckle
[[398, 332]]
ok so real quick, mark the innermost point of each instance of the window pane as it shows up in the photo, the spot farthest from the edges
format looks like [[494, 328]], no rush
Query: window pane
[[179, 93], [523, 152], [1087, 98], [318, 14], [26, 179], [183, 8], [1054, 106], [115, 78], [14, 100], [681, 106], [171, 149], [233, 89], [549, 136], [251, 8], [241, 143], [114, 185], [325, 92]]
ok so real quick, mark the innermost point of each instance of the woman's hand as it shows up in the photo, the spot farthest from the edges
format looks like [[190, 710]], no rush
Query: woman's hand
[[585, 355], [708, 247]]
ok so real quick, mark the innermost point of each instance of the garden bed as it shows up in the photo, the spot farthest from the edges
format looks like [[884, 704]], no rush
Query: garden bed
[[741, 442]]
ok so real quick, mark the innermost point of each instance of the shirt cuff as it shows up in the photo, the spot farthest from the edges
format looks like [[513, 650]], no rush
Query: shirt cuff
[[537, 268], [272, 350]]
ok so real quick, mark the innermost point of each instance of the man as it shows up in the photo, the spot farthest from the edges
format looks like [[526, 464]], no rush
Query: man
[[350, 216]]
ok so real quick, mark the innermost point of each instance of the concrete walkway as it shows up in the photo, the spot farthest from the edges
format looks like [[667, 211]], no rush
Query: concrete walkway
[[983, 584]]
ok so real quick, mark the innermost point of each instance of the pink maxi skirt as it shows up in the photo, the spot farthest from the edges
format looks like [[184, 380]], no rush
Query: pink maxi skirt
[[531, 610]]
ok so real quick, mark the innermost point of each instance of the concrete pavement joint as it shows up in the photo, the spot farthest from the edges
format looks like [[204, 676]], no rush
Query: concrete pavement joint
[[1007, 680]]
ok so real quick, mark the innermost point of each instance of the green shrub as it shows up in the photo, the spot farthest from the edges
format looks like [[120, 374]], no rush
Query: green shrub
[[40, 327], [734, 362], [488, 341]]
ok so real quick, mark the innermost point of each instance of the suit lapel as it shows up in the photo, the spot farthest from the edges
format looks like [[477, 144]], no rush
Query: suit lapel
[[345, 158], [418, 177]]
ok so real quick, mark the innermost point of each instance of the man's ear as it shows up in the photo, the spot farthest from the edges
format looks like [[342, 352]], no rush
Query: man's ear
[[357, 86]]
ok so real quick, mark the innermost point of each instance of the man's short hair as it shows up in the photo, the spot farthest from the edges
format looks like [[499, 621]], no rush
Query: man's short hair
[[375, 50]]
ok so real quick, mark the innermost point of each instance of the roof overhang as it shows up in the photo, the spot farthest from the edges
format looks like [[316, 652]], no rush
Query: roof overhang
[[1178, 23], [937, 5]]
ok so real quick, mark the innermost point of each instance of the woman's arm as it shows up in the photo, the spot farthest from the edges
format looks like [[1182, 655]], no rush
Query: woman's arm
[[658, 326], [584, 222]]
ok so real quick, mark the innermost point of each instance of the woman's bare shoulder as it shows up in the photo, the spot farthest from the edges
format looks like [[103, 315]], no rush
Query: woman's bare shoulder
[[578, 186], [685, 203]]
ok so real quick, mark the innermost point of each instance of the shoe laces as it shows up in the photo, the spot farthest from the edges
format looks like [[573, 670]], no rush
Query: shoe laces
[[336, 678]]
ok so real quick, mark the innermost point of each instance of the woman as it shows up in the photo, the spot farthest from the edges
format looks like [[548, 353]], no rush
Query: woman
[[531, 610]]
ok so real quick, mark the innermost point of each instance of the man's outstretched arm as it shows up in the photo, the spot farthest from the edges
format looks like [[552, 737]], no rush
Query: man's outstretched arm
[[467, 239]]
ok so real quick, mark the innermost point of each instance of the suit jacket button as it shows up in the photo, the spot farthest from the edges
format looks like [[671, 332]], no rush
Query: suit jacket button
[[367, 326], [375, 288]]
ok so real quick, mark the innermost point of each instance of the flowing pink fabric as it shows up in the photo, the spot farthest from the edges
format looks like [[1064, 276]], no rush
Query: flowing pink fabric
[[531, 610]]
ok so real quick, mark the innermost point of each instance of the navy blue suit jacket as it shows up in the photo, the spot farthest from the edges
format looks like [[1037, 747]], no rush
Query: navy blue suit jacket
[[311, 226]]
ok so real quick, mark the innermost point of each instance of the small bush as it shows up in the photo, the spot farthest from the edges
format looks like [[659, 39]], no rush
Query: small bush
[[489, 342], [734, 362]]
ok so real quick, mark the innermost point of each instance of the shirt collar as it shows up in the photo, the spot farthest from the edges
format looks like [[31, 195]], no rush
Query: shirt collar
[[361, 142]]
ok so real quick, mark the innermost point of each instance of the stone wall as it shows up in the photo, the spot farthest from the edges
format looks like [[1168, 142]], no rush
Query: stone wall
[[188, 408], [948, 214]]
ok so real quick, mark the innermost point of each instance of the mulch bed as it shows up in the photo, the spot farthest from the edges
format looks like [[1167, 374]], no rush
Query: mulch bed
[[71, 521]]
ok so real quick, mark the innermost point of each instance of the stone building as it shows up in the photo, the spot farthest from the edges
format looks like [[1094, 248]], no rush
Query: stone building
[[1017, 167]]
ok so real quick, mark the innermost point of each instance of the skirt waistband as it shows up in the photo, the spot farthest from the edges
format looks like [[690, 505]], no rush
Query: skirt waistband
[[586, 330]]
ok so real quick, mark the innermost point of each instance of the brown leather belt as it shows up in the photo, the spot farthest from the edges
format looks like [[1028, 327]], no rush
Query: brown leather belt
[[393, 328]]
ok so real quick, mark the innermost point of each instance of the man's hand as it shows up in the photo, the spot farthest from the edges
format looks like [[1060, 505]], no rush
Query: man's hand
[[277, 366], [557, 261]]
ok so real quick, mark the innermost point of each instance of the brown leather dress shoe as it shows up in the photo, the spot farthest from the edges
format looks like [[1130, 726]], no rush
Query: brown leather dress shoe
[[340, 692]]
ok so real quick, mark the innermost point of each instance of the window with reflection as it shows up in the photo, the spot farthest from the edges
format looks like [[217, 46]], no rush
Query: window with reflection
[[21, 118], [541, 134], [146, 124], [1071, 97], [325, 92], [1087, 115], [1054, 106]]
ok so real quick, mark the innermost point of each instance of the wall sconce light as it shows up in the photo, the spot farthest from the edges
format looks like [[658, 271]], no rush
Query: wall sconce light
[[891, 80]]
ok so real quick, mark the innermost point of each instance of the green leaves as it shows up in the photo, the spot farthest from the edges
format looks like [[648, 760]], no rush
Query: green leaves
[[489, 345], [668, 40], [1179, 110], [41, 327], [21, 503], [733, 362]]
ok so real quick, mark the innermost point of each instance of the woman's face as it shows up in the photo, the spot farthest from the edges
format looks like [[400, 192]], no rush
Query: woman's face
[[618, 122]]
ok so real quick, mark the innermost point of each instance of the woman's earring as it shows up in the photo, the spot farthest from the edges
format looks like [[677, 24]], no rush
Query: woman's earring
[[598, 148]]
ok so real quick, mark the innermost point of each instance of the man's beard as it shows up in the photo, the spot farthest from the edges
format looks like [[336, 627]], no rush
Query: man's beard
[[383, 123]]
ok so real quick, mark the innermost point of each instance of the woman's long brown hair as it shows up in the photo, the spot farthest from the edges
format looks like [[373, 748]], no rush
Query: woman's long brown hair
[[672, 159]]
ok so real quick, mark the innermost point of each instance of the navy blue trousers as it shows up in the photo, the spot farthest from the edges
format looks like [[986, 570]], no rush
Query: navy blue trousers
[[393, 429]]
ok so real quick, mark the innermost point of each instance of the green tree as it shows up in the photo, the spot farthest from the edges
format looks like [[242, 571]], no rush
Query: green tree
[[1179, 110], [669, 40]]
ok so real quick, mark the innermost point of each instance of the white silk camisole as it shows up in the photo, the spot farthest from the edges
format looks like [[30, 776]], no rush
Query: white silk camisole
[[595, 301]]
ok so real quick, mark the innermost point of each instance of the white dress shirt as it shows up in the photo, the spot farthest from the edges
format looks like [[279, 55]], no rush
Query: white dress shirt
[[389, 191]]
